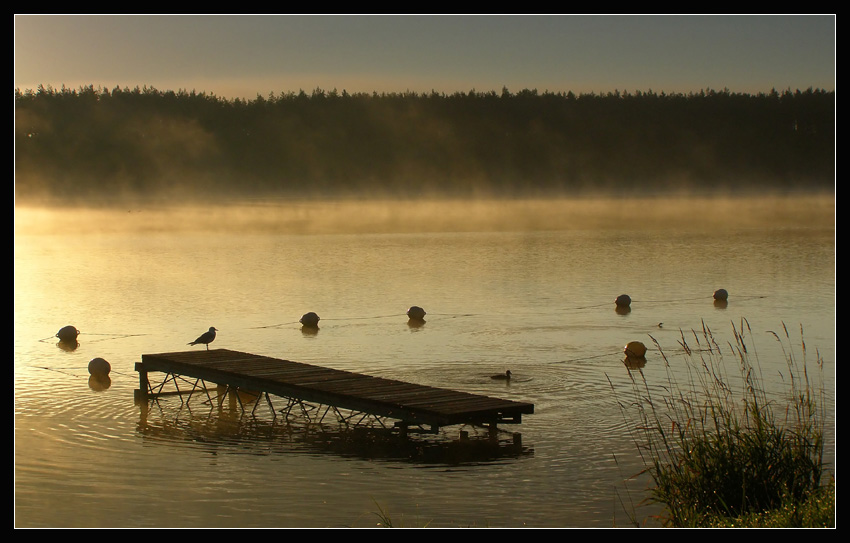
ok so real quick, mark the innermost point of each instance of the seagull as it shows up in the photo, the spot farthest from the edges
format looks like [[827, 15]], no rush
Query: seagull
[[206, 338], [506, 375]]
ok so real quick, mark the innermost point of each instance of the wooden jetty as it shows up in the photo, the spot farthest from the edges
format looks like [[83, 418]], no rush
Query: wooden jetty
[[409, 404]]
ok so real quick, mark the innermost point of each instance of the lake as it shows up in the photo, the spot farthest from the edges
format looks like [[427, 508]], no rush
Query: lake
[[527, 286]]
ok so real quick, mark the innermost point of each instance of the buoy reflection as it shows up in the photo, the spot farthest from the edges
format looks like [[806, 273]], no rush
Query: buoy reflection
[[99, 382], [634, 362]]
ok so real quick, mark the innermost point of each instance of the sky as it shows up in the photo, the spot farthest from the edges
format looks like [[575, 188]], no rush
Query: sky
[[248, 55]]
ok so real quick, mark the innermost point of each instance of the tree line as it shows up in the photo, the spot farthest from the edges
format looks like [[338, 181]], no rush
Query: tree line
[[93, 141]]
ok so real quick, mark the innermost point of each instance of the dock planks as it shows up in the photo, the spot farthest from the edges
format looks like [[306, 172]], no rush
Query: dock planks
[[408, 402]]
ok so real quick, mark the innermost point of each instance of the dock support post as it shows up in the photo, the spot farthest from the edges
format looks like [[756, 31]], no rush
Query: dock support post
[[144, 385], [494, 431]]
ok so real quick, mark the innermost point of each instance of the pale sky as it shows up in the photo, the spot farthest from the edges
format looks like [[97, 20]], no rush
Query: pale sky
[[246, 55]]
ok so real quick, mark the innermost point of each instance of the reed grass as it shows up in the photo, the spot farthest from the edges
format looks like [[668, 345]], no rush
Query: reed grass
[[723, 452], [385, 520]]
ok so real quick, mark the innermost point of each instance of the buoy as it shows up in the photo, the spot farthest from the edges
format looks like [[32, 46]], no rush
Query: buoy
[[623, 300], [68, 334], [415, 312], [721, 294], [99, 366], [635, 349], [310, 319]]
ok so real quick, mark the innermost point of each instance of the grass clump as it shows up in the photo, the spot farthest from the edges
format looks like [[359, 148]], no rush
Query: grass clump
[[723, 452], [386, 521]]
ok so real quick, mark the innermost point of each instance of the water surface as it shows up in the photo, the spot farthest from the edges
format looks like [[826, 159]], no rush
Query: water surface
[[526, 286]]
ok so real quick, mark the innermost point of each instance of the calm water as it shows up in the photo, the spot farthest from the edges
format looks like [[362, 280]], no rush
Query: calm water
[[535, 297]]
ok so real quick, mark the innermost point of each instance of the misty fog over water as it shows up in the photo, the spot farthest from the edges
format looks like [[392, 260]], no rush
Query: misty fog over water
[[520, 285], [94, 143], [270, 216]]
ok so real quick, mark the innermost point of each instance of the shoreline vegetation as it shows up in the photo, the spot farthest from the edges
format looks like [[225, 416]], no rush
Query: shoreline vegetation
[[722, 452], [81, 145]]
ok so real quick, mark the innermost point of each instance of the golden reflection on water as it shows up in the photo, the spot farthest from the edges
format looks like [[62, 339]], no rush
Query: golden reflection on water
[[402, 216], [85, 456]]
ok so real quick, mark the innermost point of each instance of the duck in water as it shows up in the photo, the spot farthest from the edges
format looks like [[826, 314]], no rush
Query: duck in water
[[502, 376]]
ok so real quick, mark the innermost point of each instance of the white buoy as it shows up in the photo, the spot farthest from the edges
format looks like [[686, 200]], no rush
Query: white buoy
[[99, 366], [68, 334], [635, 349], [721, 294], [310, 320], [415, 312], [623, 300]]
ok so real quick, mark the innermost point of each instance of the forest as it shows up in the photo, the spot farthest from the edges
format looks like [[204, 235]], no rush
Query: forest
[[93, 142]]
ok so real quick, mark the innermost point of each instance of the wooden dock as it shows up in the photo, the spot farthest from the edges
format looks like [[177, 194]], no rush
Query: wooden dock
[[408, 403]]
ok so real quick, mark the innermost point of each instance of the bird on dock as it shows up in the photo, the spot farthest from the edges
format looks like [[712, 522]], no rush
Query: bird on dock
[[206, 338], [503, 376]]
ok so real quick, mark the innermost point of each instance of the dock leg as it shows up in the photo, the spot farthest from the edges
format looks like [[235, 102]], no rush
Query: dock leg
[[494, 432], [141, 395]]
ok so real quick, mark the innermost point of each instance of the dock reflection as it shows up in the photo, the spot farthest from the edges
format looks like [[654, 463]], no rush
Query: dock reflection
[[236, 428]]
